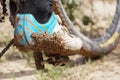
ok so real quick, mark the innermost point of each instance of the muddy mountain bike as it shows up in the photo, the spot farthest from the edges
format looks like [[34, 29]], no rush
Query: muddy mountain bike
[[91, 47], [98, 46]]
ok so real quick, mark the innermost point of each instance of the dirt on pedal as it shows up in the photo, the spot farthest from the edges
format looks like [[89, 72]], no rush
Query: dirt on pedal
[[14, 65]]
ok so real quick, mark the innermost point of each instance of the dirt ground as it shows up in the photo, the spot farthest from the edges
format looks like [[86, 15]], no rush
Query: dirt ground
[[13, 66]]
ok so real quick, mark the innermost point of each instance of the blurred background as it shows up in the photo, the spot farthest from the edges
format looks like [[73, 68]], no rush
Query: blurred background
[[90, 17]]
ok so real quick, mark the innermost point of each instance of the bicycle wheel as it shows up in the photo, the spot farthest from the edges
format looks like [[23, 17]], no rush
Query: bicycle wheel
[[98, 46]]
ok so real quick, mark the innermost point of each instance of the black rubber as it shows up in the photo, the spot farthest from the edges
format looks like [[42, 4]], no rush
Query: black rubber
[[99, 46]]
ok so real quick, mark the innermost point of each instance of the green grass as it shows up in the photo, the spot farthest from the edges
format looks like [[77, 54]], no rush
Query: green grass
[[52, 73], [13, 77]]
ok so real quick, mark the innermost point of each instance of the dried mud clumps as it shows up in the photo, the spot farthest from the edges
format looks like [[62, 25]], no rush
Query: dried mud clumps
[[51, 45], [22, 47]]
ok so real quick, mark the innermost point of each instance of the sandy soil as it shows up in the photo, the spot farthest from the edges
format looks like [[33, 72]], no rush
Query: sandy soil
[[13, 66]]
